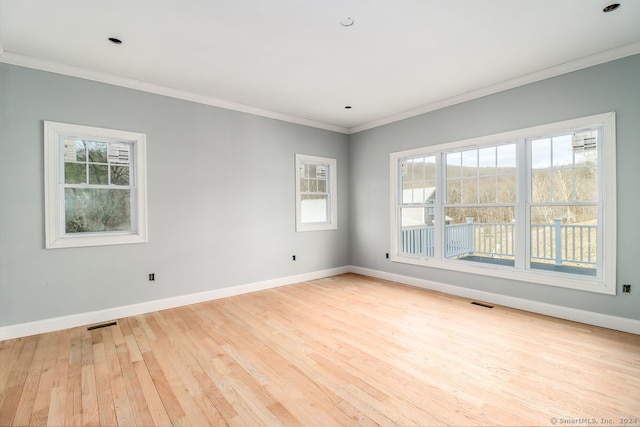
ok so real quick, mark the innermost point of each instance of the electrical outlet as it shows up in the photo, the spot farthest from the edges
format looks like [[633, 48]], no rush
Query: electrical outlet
[[626, 289], [293, 257], [152, 277], [386, 255]]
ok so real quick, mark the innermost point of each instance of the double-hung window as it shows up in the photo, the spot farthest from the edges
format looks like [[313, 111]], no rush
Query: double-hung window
[[316, 193], [536, 204], [95, 186]]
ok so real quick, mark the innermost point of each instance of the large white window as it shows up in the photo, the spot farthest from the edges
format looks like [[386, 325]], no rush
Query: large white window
[[535, 204], [95, 190], [316, 193]]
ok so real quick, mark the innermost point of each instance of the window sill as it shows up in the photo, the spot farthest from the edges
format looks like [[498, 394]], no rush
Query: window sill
[[315, 227], [95, 240], [564, 280]]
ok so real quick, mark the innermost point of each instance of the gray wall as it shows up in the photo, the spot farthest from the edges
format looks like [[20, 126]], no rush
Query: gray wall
[[221, 191], [220, 199], [613, 86]]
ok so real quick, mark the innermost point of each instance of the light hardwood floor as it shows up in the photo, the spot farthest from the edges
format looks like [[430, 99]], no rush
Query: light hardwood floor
[[341, 351]]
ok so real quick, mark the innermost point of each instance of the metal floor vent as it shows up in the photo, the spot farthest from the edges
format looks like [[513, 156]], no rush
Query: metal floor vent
[[104, 325], [481, 304]]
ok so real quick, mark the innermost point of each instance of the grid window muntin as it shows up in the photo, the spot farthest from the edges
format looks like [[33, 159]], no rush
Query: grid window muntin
[[316, 193], [521, 268], [93, 170], [96, 169]]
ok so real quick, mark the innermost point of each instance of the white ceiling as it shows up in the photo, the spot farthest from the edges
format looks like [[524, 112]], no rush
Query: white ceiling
[[292, 59]]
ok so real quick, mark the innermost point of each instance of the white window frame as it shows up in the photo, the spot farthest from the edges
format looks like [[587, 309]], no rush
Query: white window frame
[[55, 236], [332, 188], [604, 283]]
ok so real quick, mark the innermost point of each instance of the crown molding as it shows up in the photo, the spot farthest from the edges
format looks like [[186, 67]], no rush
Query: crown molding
[[112, 79], [83, 73], [567, 67]]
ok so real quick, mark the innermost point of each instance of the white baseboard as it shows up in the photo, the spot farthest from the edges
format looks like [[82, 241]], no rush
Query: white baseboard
[[561, 312], [88, 318]]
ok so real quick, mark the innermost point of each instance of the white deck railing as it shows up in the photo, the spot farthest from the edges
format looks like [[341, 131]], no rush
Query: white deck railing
[[576, 243]]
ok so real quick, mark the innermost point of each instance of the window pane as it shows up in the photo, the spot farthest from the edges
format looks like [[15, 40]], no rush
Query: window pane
[[482, 171], [506, 171], [98, 174], [74, 150], [540, 186], [97, 151], [120, 175], [469, 162], [564, 238], [96, 210], [322, 186], [585, 148], [487, 159], [506, 188], [506, 158], [586, 156], [562, 185], [418, 180], [487, 189], [304, 185], [541, 153], [454, 193], [570, 172], [562, 151], [314, 208], [586, 189], [418, 196], [480, 234], [416, 236], [321, 171], [454, 163], [75, 173], [416, 217], [119, 153], [469, 191]]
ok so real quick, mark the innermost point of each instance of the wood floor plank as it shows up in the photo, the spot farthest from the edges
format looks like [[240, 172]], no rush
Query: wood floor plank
[[169, 400], [14, 375], [341, 351], [10, 402], [151, 395], [89, 395], [47, 380], [73, 392], [9, 357], [106, 407], [139, 407]]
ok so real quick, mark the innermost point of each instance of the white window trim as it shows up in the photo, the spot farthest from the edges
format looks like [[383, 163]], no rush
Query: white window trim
[[605, 284], [332, 174], [55, 236]]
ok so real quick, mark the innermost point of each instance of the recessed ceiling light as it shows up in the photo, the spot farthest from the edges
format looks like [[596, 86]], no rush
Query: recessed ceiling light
[[611, 7], [347, 22], [115, 40], [347, 107]]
